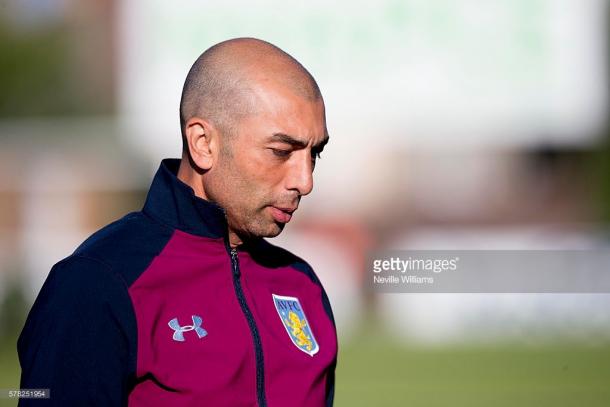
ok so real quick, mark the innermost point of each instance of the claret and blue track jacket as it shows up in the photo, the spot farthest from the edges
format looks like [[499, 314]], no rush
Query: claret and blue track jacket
[[156, 309]]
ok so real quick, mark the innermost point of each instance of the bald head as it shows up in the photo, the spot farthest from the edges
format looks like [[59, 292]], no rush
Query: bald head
[[220, 85]]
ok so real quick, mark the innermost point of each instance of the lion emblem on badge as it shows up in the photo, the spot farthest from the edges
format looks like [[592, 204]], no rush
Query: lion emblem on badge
[[297, 325]]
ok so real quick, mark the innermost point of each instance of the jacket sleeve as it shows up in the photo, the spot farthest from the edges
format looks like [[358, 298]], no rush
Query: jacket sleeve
[[303, 266], [79, 339], [330, 380]]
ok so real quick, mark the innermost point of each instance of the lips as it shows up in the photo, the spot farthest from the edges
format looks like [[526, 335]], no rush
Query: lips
[[282, 215]]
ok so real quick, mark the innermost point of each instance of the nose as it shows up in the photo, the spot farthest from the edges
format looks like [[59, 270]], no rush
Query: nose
[[300, 174]]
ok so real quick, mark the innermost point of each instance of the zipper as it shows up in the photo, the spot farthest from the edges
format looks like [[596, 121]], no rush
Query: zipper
[[258, 348]]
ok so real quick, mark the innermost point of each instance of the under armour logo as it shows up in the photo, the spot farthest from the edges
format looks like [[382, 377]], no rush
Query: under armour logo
[[179, 330]]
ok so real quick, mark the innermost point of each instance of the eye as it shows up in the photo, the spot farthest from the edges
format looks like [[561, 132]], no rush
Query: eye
[[316, 155], [281, 153]]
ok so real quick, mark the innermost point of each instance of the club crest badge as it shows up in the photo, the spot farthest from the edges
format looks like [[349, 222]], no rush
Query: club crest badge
[[294, 320]]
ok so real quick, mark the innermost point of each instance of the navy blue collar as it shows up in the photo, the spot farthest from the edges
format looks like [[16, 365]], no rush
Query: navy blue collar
[[174, 203]]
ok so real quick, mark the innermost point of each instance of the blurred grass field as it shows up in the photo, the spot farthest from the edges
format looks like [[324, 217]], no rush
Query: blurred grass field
[[9, 369], [374, 370], [377, 371]]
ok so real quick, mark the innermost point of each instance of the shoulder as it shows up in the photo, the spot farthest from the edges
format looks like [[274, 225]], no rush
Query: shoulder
[[82, 318], [126, 246], [78, 290], [274, 256], [79, 280]]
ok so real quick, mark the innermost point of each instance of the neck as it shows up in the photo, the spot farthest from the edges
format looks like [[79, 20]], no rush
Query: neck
[[193, 179], [234, 239]]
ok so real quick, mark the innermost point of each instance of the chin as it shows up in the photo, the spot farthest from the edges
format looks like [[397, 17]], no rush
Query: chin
[[271, 229], [276, 230]]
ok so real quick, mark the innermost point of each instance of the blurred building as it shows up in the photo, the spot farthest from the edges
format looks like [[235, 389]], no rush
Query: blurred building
[[453, 124]]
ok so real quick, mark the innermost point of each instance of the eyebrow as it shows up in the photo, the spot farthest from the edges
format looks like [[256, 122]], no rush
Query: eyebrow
[[294, 142]]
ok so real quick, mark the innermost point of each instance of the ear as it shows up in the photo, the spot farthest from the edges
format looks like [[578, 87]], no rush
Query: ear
[[202, 142]]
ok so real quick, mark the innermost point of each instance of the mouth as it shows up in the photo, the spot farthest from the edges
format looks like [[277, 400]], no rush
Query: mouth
[[282, 215]]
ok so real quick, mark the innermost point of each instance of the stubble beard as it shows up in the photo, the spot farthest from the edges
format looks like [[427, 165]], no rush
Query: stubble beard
[[245, 206]]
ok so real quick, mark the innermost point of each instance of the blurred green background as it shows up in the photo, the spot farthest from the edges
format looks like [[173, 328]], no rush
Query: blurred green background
[[375, 370]]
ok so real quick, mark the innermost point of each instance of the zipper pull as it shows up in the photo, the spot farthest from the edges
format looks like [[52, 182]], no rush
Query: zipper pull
[[234, 262]]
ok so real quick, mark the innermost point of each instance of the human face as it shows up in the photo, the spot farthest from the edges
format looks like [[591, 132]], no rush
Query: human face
[[270, 161]]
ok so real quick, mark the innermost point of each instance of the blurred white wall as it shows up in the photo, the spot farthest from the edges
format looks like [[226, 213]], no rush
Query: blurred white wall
[[397, 73]]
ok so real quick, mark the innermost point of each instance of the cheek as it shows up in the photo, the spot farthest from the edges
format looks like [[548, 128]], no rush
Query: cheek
[[251, 179], [262, 171], [244, 190]]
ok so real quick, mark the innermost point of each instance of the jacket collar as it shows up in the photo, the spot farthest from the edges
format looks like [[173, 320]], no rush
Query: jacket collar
[[174, 203]]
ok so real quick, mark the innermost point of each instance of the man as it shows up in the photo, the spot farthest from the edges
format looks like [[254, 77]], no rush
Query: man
[[184, 303]]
